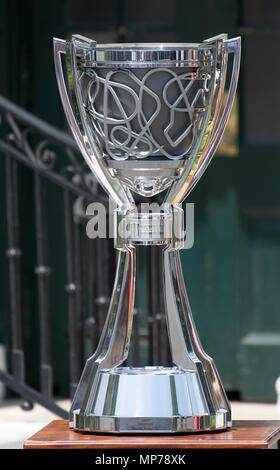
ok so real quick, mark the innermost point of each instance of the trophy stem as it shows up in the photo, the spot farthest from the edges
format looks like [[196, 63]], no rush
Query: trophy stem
[[187, 397], [114, 343], [185, 346]]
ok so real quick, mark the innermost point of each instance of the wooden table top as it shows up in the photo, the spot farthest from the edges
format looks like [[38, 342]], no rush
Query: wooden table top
[[242, 435]]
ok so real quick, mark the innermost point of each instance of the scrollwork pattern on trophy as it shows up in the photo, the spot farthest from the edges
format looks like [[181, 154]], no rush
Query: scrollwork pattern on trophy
[[126, 109]]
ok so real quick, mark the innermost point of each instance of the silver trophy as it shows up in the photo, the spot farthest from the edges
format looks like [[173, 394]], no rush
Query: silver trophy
[[148, 118]]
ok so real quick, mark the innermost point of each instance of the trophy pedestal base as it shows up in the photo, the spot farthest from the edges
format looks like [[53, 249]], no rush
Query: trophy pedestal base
[[150, 400], [176, 424]]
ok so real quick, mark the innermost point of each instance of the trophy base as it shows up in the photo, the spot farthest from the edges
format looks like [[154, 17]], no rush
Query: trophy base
[[150, 400]]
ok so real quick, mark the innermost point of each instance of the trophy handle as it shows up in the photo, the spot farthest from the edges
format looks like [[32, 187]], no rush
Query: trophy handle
[[114, 343], [178, 192], [234, 47], [91, 154]]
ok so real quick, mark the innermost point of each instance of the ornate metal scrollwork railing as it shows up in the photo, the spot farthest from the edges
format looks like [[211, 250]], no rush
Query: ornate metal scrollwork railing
[[29, 141]]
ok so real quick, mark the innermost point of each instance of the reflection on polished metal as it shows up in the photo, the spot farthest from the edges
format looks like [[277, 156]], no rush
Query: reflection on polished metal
[[148, 118], [138, 395]]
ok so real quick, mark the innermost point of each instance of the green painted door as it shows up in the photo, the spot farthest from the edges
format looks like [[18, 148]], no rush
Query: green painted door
[[233, 271]]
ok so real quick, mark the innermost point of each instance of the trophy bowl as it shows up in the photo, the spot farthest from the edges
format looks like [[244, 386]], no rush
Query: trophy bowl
[[148, 119]]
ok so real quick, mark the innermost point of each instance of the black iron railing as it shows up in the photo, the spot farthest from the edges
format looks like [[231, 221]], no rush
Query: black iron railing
[[52, 156], [27, 140]]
